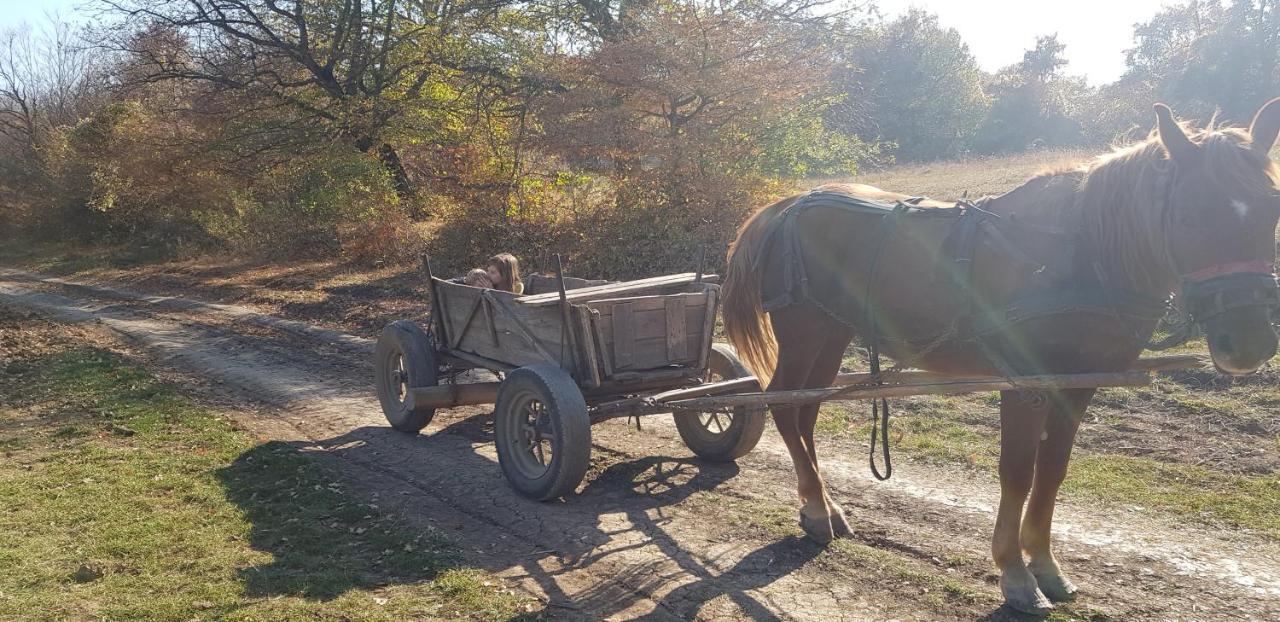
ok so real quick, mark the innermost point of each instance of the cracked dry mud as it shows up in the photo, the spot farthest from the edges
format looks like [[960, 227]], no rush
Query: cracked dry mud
[[653, 533]]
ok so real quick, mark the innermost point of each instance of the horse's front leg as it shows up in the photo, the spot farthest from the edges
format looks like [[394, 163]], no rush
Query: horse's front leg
[[1022, 418], [1051, 468]]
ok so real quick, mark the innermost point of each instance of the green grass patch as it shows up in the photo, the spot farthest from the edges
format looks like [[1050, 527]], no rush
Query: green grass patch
[[1185, 490], [934, 431], [121, 499]]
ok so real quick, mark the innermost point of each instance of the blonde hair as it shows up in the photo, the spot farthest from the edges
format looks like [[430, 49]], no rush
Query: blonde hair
[[509, 267], [478, 277]]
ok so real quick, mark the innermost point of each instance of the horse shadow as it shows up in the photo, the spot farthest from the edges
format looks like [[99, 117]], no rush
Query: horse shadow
[[321, 542]]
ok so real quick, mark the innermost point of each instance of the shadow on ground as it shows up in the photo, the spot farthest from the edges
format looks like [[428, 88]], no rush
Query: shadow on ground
[[326, 540], [323, 540]]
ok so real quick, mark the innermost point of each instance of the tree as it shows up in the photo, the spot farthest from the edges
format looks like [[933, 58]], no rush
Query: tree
[[1034, 102], [1205, 58], [683, 89], [48, 80], [920, 86], [350, 67]]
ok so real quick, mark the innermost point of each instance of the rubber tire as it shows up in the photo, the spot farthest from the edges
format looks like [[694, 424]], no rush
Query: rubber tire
[[570, 430], [408, 340], [744, 431]]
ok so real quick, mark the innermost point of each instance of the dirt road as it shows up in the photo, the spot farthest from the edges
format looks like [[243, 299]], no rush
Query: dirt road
[[654, 533]]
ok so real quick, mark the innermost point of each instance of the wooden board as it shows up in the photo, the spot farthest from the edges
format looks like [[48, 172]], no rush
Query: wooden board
[[650, 332], [677, 338], [669, 284], [488, 323], [542, 284]]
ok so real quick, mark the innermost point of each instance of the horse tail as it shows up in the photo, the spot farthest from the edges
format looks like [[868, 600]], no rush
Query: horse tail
[[745, 321]]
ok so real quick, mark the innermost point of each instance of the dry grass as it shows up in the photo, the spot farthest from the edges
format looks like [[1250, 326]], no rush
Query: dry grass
[[952, 179]]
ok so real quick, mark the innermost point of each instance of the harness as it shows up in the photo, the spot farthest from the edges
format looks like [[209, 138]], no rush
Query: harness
[[972, 226]]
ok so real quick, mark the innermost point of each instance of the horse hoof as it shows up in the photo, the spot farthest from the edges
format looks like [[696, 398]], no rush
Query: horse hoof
[[1056, 587], [1036, 604], [1028, 600], [818, 529], [840, 523]]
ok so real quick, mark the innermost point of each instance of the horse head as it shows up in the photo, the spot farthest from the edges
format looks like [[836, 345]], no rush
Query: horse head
[[1220, 216]]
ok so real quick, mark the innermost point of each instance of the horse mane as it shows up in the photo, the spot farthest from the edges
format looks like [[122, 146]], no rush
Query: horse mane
[[1122, 195]]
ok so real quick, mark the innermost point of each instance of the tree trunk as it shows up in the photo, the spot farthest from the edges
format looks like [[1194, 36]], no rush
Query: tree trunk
[[399, 178]]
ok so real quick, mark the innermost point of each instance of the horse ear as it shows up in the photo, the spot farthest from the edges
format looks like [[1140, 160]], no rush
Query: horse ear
[[1265, 126], [1175, 141]]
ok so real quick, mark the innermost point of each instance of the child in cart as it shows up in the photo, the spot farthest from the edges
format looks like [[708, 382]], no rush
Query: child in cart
[[501, 271]]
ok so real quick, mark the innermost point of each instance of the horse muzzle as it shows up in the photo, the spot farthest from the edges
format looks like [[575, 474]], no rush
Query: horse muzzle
[[1235, 311]]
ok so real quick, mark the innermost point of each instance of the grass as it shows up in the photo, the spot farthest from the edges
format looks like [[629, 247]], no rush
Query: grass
[[945, 584], [975, 177], [935, 430], [121, 499]]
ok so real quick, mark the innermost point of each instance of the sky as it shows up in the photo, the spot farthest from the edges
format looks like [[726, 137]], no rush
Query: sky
[[1096, 32], [15, 12]]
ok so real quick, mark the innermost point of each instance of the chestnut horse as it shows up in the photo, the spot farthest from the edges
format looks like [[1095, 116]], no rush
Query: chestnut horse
[[1068, 273]]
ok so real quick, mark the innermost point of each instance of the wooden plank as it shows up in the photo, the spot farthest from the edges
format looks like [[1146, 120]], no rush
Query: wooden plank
[[587, 343], [708, 327], [526, 333], [956, 384], [458, 335], [623, 337], [540, 284], [652, 353], [650, 303], [1172, 362], [652, 324], [613, 290], [450, 395], [479, 361], [914, 376], [516, 336], [677, 339], [489, 321], [602, 347], [711, 388]]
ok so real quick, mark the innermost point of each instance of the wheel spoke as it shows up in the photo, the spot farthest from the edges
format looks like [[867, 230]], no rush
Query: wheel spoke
[[401, 379]]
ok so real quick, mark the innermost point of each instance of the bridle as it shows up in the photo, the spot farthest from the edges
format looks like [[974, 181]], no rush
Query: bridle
[[1217, 289], [1211, 291]]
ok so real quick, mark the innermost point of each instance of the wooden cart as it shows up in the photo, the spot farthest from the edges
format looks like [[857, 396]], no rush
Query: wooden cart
[[590, 351], [569, 358]]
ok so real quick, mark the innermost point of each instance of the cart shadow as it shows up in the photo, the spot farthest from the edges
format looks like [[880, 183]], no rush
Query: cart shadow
[[642, 490], [323, 540], [326, 540]]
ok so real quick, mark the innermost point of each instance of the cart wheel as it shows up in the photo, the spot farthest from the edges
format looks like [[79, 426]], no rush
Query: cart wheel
[[403, 359], [719, 436], [543, 432]]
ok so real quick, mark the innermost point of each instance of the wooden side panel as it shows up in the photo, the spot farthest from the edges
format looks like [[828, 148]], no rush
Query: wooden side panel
[[669, 284], [587, 346], [652, 331], [487, 323], [677, 339], [622, 334]]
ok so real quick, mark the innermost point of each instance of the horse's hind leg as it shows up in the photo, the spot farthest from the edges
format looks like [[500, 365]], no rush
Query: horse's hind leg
[[1022, 418], [798, 346], [821, 375], [1051, 468]]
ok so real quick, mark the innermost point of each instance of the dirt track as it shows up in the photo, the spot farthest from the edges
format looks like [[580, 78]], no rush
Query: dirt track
[[654, 533]]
